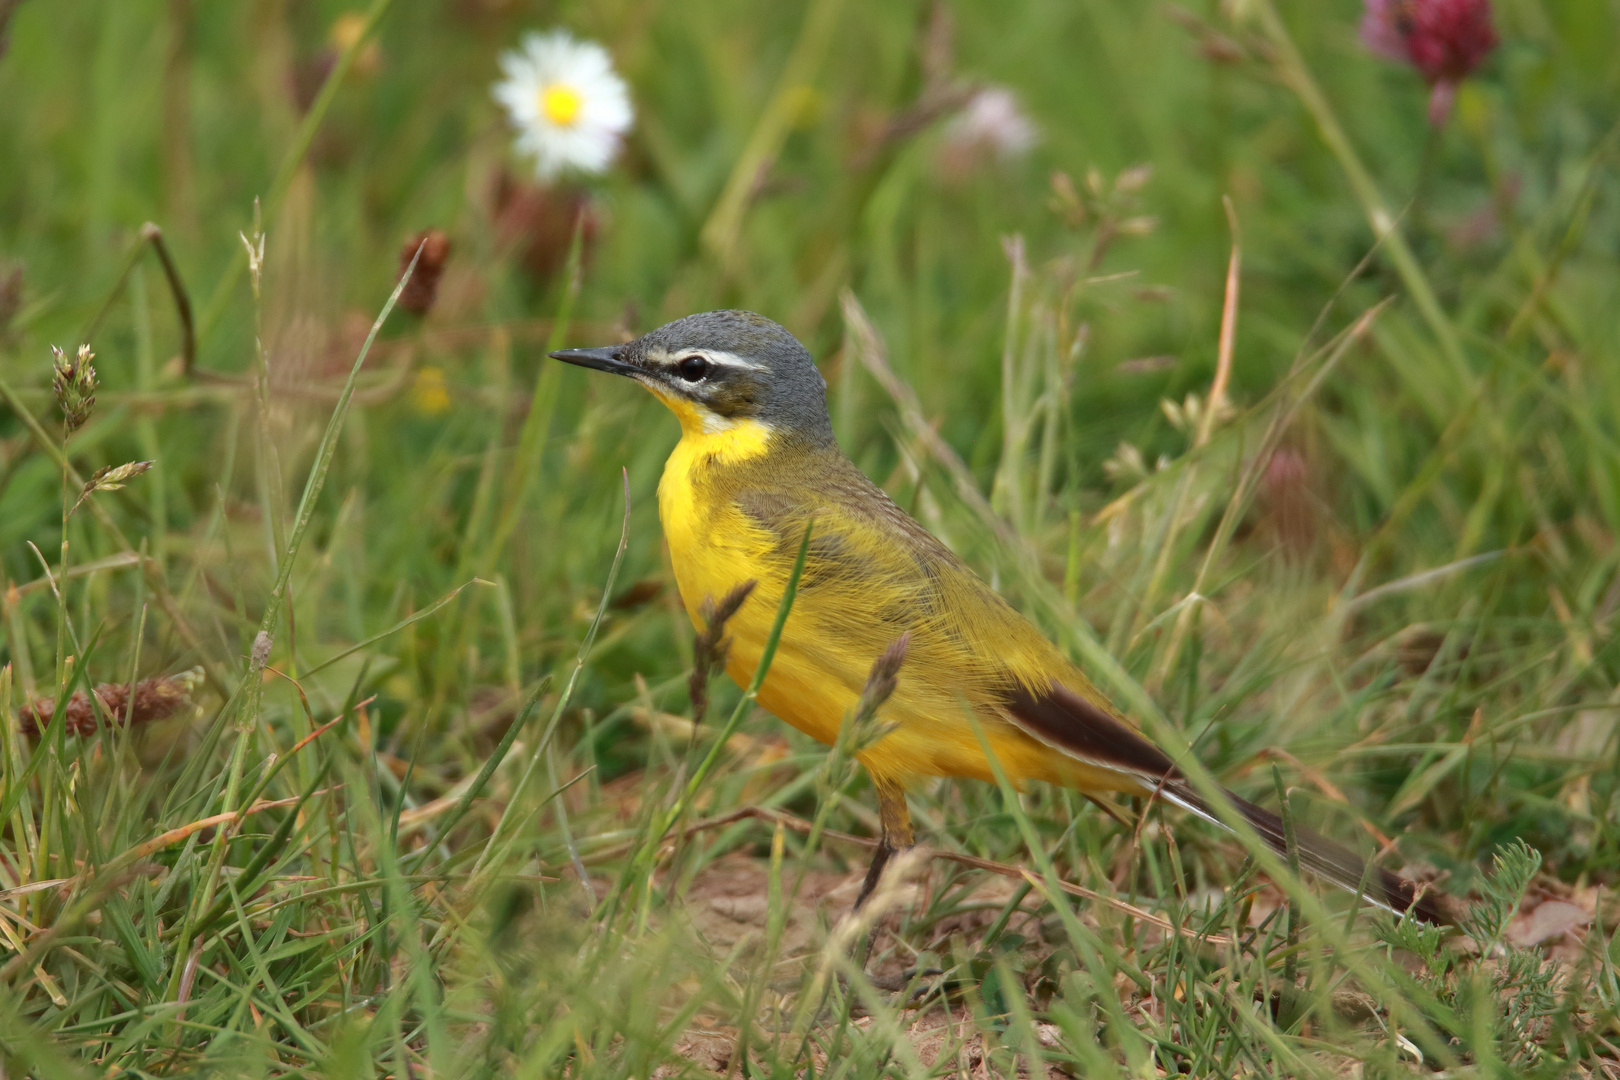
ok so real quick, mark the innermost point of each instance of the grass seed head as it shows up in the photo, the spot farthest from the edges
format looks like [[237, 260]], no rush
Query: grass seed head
[[881, 682], [885, 674], [711, 646], [73, 381], [111, 478]]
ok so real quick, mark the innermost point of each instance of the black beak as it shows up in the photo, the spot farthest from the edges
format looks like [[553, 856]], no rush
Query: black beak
[[601, 359]]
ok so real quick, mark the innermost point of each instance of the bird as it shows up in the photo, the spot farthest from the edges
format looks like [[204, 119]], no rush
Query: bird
[[757, 467]]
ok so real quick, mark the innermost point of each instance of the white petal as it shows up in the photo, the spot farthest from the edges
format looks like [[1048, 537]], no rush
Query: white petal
[[592, 141]]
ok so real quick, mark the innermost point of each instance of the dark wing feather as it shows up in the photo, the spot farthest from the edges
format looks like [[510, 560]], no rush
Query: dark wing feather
[[1063, 719], [1079, 727]]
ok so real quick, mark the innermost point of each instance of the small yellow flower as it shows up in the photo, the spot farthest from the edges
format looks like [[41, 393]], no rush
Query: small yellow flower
[[430, 396], [346, 29], [345, 34]]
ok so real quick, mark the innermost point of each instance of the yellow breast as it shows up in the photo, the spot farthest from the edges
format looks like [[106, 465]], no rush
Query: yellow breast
[[714, 547]]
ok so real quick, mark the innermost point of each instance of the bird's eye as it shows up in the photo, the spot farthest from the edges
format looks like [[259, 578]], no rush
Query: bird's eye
[[693, 368]]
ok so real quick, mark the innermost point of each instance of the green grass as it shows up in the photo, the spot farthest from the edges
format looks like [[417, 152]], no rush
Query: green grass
[[1400, 542]]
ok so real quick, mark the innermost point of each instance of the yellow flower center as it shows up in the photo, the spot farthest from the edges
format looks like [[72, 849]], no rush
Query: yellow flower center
[[561, 104]]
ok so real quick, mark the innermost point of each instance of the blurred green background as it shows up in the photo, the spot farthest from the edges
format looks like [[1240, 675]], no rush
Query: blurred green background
[[1427, 563]]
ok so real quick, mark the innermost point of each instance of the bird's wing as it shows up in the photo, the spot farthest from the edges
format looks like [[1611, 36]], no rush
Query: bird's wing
[[873, 573]]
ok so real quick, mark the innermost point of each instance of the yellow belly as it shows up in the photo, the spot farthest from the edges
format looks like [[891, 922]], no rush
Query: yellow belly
[[815, 680]]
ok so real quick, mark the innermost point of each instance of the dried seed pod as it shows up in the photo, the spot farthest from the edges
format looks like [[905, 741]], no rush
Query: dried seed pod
[[153, 699], [423, 288]]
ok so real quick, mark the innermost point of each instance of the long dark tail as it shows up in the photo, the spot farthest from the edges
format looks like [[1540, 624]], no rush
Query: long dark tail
[[1085, 730], [1321, 856]]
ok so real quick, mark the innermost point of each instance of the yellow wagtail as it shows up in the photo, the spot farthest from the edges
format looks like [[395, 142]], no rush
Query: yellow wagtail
[[756, 463]]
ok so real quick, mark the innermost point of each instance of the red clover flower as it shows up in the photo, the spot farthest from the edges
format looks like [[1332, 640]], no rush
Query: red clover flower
[[1444, 40]]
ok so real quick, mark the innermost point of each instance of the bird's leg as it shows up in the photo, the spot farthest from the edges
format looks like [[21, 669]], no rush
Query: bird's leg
[[897, 835]]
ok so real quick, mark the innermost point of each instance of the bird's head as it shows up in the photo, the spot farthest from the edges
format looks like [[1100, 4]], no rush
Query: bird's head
[[723, 369]]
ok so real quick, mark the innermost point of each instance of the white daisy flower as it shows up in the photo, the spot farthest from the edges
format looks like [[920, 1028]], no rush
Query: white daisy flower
[[569, 106]]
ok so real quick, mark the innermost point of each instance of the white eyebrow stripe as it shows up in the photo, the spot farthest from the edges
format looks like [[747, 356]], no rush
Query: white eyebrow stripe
[[718, 357], [726, 359]]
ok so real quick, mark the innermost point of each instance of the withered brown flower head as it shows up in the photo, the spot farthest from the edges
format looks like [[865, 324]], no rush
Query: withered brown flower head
[[153, 699], [1289, 503], [11, 296], [536, 222], [423, 288]]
